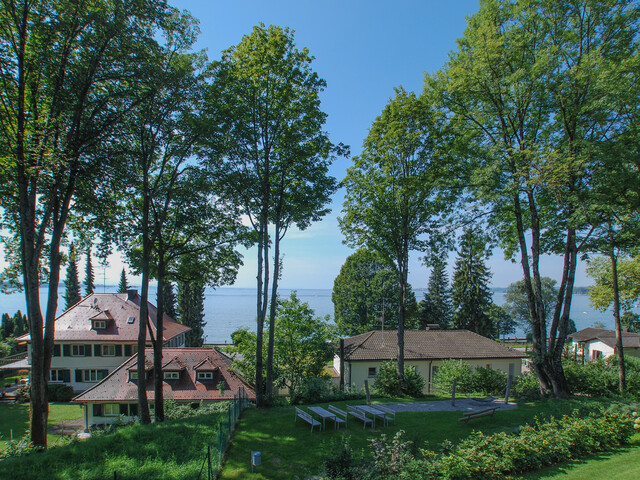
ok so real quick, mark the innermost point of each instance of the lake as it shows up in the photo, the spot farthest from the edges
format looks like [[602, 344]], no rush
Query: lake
[[229, 308]]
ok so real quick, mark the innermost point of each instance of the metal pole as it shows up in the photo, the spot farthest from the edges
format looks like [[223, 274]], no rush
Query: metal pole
[[453, 392]]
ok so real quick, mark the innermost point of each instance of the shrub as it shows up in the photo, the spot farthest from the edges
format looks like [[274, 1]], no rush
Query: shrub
[[18, 448], [489, 381], [174, 410], [386, 382], [312, 389], [450, 369], [526, 388], [340, 464], [23, 394], [59, 392]]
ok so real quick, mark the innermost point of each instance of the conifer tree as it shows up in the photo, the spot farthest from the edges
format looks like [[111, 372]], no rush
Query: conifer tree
[[123, 286], [89, 286], [191, 312], [169, 300], [472, 299], [436, 308], [71, 283]]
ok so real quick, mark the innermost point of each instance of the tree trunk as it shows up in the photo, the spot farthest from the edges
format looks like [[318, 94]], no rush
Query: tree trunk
[[143, 404], [272, 311], [157, 345], [616, 316], [263, 290]]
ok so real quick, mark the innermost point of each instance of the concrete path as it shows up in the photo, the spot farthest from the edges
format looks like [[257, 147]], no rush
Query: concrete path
[[462, 405]]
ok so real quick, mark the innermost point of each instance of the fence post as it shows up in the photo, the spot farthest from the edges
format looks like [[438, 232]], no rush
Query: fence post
[[453, 392], [210, 470]]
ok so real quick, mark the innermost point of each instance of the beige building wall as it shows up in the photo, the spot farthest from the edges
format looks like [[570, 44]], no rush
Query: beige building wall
[[355, 373]]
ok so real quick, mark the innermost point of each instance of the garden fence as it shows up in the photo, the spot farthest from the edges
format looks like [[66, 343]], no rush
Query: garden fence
[[226, 426]]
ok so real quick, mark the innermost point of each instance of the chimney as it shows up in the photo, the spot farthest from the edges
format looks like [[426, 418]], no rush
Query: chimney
[[132, 294], [433, 326]]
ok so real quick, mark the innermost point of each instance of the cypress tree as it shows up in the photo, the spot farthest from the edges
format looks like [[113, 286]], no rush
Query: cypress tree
[[169, 301], [436, 308], [89, 286], [123, 286], [191, 312], [71, 283], [472, 297]]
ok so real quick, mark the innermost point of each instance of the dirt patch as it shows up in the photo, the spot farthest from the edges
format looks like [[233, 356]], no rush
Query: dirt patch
[[68, 427]]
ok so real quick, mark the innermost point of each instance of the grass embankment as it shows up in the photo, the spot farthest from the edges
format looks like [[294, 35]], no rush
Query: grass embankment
[[14, 420], [173, 450], [290, 450]]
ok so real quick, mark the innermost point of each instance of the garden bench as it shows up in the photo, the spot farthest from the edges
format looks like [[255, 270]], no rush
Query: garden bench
[[480, 413], [356, 412], [341, 415], [389, 414], [307, 418]]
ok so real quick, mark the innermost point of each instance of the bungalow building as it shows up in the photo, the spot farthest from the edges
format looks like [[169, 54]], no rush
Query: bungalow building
[[97, 334], [426, 350], [594, 343], [191, 376]]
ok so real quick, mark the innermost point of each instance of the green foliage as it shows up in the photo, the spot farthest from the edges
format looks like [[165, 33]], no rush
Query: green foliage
[[515, 301], [386, 381], [60, 392], [600, 378], [170, 301], [601, 293], [71, 282], [472, 298], [526, 387], [340, 465], [489, 381], [18, 448], [302, 343], [454, 369], [176, 411], [437, 307], [244, 353], [390, 456], [15, 326], [123, 286], [191, 311], [89, 277], [366, 286]]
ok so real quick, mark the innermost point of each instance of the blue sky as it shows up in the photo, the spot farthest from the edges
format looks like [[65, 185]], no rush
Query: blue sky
[[363, 49]]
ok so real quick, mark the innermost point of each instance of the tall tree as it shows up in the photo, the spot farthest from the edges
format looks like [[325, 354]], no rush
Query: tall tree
[[472, 299], [123, 286], [364, 292], [533, 86], [437, 307], [392, 198], [170, 301], [66, 71], [71, 283], [191, 311], [89, 286], [517, 305], [276, 153]]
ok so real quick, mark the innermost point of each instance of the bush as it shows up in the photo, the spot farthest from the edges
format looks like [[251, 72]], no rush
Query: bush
[[489, 381], [175, 411], [386, 382], [319, 389], [450, 369], [340, 465], [526, 388], [23, 394], [59, 392]]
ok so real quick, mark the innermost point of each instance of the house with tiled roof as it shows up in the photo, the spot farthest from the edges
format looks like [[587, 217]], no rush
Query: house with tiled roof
[[97, 334], [363, 354], [191, 376], [594, 343]]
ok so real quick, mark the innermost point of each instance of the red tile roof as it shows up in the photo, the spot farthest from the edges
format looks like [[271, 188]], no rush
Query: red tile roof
[[75, 323], [425, 345], [116, 387], [608, 337]]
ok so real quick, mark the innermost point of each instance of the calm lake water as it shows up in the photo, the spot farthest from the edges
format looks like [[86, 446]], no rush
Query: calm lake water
[[229, 308]]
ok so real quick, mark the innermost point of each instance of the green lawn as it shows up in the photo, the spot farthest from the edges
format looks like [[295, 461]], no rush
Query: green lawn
[[14, 419], [290, 450], [173, 450]]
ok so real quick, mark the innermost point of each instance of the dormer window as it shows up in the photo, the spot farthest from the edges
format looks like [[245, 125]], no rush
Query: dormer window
[[205, 376], [133, 376], [171, 375], [99, 324]]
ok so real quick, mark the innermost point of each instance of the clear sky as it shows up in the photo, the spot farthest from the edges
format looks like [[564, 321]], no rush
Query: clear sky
[[363, 49]]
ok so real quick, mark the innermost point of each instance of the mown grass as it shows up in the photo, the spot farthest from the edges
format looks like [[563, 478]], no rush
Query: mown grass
[[173, 450], [290, 450], [14, 420]]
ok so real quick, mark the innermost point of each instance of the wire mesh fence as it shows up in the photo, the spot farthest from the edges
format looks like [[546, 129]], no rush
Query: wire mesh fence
[[226, 426]]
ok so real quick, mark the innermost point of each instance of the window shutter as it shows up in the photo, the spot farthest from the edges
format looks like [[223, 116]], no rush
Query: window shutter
[[87, 350], [97, 409], [78, 375], [66, 376], [127, 350], [66, 350], [124, 409], [96, 350], [105, 372], [56, 350], [118, 350]]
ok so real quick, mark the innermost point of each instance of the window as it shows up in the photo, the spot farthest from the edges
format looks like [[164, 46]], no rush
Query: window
[[111, 410], [372, 371], [133, 376], [108, 350], [131, 320], [99, 324], [93, 375], [171, 375], [77, 350], [58, 375], [205, 376]]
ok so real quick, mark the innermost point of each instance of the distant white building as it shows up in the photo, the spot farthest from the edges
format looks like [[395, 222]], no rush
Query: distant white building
[[595, 343]]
